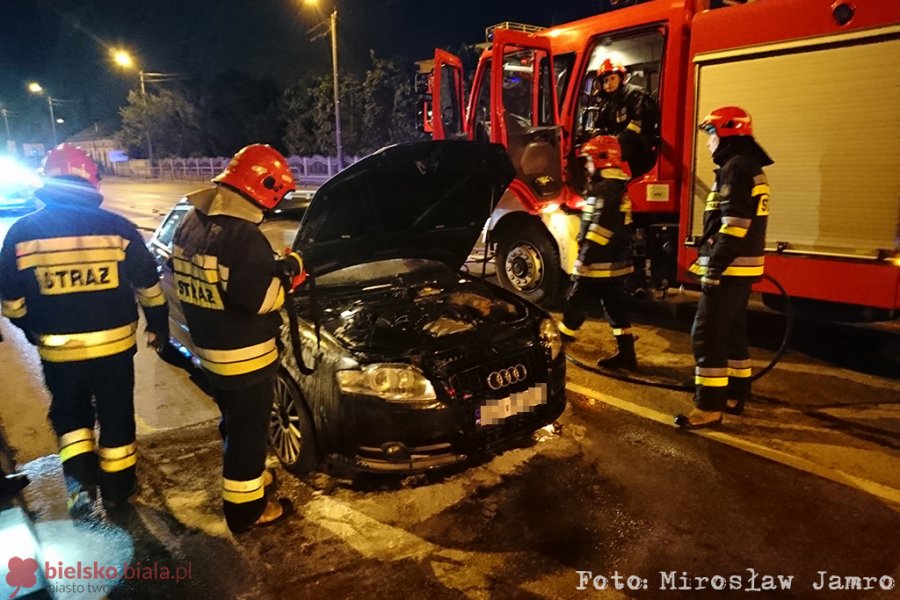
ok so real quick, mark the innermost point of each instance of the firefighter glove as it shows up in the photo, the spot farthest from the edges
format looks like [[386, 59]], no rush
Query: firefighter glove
[[291, 266]]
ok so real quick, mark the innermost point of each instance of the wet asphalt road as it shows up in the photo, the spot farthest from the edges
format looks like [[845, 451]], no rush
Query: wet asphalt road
[[612, 494]]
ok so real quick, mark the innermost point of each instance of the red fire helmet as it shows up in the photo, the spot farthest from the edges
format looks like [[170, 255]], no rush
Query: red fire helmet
[[604, 150], [728, 121], [68, 160], [609, 66], [260, 173]]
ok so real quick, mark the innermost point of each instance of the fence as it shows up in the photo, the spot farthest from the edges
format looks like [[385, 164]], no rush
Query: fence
[[313, 170]]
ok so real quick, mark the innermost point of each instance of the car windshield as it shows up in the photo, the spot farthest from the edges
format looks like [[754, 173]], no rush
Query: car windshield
[[380, 271], [280, 233]]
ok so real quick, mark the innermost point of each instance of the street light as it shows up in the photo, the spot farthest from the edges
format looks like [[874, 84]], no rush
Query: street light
[[35, 88], [332, 27], [124, 59]]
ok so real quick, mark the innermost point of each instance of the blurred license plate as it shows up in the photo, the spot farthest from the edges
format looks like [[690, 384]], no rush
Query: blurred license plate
[[495, 411]]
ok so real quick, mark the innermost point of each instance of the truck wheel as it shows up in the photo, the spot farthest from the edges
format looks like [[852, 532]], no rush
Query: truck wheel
[[528, 264], [291, 433]]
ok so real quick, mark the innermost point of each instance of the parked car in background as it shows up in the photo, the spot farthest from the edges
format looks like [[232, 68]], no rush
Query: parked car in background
[[414, 364], [17, 186]]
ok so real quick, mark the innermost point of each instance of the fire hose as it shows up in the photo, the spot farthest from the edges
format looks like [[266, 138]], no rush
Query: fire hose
[[671, 385]]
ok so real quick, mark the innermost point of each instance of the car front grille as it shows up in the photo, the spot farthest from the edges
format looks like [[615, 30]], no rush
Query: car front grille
[[472, 390], [473, 383]]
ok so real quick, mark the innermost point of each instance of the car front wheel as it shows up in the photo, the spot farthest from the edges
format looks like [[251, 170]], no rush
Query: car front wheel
[[291, 433]]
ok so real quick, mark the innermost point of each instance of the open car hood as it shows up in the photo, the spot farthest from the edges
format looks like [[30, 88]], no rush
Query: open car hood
[[425, 200]]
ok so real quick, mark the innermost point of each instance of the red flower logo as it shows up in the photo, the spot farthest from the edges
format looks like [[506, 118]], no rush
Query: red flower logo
[[22, 573]]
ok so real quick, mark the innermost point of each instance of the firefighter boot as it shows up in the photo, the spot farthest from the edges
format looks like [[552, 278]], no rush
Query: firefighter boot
[[625, 358], [739, 393]]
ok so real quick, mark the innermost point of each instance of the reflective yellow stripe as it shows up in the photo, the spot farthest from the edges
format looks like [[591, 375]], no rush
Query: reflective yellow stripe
[[191, 269], [239, 492], [14, 309], [274, 299], [758, 190], [603, 269], [596, 238], [569, 332], [240, 360], [733, 230], [71, 257], [614, 173], [620, 332], [711, 381], [76, 442], [119, 458], [83, 346], [223, 276], [151, 296], [740, 373], [744, 271], [79, 242], [634, 126], [712, 201]]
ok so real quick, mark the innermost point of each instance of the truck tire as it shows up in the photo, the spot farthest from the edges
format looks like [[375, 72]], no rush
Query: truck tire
[[528, 263]]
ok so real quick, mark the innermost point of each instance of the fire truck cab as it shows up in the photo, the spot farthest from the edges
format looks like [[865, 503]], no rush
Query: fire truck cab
[[820, 78]]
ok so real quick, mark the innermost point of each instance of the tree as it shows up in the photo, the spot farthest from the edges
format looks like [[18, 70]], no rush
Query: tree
[[240, 110], [170, 120], [390, 105], [375, 111]]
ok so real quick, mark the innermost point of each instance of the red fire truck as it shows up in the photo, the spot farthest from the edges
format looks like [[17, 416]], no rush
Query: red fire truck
[[821, 79]]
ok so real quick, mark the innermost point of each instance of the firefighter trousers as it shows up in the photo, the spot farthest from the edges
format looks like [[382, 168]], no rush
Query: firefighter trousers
[[719, 341], [99, 390], [244, 428], [586, 292]]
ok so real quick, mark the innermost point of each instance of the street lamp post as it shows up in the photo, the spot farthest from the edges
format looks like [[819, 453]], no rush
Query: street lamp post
[[332, 28], [124, 59], [337, 94], [52, 118], [35, 88], [4, 112]]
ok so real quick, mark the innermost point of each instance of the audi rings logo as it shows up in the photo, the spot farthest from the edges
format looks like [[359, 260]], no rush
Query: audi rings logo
[[505, 377]]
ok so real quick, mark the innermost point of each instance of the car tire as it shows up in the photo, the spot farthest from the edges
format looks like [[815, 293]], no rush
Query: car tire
[[292, 436], [528, 264]]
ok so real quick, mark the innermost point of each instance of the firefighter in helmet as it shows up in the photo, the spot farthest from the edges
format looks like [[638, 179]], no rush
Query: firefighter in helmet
[[227, 279], [69, 274], [603, 261], [730, 260], [619, 111]]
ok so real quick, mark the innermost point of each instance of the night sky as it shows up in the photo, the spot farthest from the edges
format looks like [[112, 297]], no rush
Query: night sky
[[63, 44]]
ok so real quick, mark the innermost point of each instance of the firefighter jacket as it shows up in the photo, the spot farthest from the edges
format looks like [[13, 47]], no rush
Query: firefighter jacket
[[737, 209], [226, 279], [604, 236], [69, 274], [622, 114]]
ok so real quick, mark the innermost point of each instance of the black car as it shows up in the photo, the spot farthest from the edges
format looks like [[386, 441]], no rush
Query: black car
[[414, 364]]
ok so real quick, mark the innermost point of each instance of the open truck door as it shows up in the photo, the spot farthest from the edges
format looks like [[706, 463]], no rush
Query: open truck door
[[524, 116], [447, 118]]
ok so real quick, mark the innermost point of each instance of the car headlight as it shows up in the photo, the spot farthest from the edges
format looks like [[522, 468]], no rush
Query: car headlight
[[550, 338], [394, 382]]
